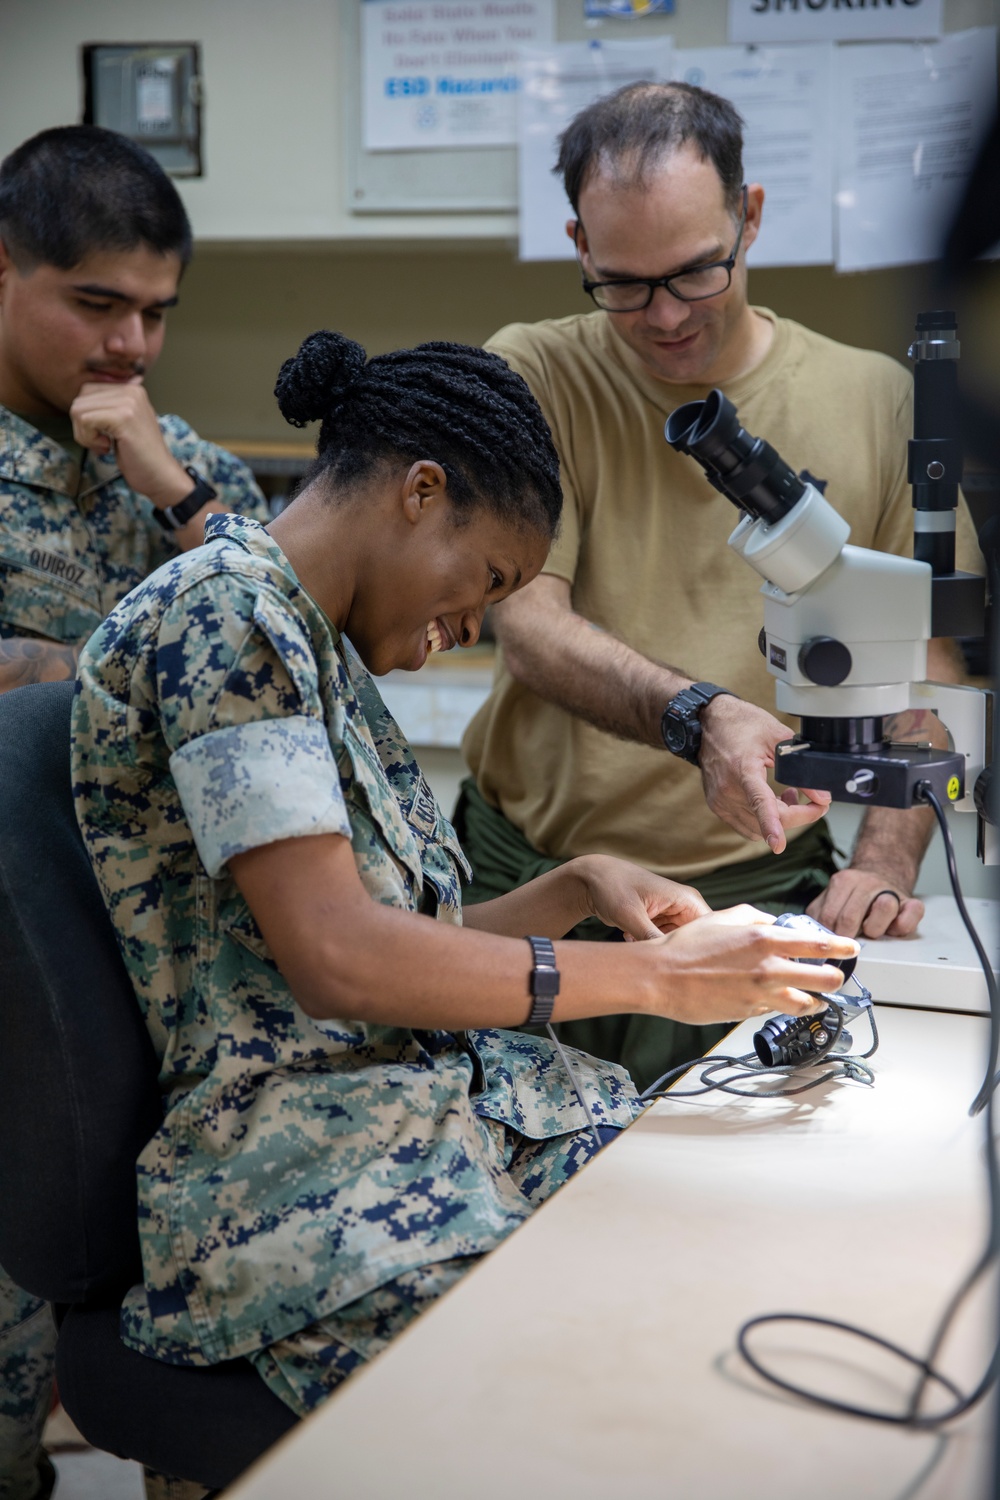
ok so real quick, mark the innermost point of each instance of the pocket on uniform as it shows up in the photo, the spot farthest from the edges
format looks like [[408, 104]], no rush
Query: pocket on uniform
[[369, 780], [445, 865], [35, 602], [246, 934]]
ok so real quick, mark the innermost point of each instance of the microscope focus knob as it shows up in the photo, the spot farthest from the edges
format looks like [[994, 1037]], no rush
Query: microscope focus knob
[[825, 660]]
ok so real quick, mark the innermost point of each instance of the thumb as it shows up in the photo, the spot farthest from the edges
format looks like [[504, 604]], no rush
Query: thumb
[[637, 926]]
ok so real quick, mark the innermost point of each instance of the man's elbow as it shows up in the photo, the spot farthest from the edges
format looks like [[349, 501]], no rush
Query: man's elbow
[[522, 636], [516, 664]]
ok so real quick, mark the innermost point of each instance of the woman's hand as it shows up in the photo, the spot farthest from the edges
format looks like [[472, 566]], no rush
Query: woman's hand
[[736, 963], [345, 955], [628, 897]]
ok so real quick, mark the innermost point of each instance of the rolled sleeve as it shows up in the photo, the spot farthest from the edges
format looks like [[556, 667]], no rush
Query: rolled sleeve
[[251, 784]]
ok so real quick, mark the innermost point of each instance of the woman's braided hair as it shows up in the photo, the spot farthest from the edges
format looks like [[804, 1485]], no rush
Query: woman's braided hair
[[458, 405]]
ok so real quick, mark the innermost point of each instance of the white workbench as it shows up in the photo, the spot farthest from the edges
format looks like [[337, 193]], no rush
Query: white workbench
[[937, 967], [592, 1355]]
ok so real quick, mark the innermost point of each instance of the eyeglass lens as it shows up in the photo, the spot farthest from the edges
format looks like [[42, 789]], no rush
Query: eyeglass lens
[[630, 296]]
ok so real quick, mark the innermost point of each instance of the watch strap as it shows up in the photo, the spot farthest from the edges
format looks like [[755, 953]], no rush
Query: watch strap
[[685, 708], [704, 692], [543, 983], [173, 517]]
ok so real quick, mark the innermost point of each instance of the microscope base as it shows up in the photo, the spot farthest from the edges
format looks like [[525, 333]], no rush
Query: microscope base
[[886, 776]]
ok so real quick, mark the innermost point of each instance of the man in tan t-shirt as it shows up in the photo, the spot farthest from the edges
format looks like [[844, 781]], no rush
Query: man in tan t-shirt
[[567, 752]]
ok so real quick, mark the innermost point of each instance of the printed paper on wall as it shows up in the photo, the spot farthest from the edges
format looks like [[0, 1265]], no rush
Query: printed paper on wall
[[445, 74], [911, 122], [770, 21], [558, 82], [784, 96]]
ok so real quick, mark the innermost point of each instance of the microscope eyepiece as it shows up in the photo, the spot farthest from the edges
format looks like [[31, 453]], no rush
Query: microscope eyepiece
[[682, 424], [745, 469]]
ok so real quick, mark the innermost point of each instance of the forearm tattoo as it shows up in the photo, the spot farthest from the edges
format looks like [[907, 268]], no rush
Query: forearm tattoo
[[914, 726], [23, 661]]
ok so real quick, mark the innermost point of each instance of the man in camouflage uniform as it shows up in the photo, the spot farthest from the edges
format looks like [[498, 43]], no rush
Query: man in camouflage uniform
[[315, 1182], [93, 241]]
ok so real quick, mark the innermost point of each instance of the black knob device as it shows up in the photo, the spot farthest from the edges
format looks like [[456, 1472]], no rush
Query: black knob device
[[825, 660]]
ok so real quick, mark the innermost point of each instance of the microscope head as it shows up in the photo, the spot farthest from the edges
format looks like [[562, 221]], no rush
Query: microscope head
[[788, 533], [845, 629]]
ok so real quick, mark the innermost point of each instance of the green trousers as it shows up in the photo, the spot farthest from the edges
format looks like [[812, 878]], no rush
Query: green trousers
[[502, 859]]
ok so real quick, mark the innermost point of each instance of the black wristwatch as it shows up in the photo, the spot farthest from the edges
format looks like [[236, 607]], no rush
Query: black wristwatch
[[544, 981], [681, 723], [173, 517]]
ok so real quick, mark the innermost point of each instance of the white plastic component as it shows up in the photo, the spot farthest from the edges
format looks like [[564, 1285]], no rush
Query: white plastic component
[[937, 966], [795, 551], [865, 596], [872, 662], [876, 700], [879, 606]]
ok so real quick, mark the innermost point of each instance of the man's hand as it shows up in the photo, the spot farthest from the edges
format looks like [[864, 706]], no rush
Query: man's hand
[[641, 904], [568, 660], [737, 751], [874, 896], [873, 903], [121, 417]]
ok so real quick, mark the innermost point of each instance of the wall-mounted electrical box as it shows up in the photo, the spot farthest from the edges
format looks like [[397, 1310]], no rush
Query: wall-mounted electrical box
[[151, 92]]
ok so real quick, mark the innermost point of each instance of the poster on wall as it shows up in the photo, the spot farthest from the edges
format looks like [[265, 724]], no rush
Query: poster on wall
[[558, 82], [440, 75], [911, 122], [770, 21], [628, 10], [784, 96]]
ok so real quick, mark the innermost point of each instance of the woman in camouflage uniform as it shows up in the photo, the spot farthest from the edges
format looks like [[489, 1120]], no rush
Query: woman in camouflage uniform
[[346, 1127]]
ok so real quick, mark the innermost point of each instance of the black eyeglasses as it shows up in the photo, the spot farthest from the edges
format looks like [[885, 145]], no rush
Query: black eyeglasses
[[693, 285]]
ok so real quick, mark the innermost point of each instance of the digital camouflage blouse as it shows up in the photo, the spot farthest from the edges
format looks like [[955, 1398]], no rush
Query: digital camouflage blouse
[[75, 537], [301, 1163]]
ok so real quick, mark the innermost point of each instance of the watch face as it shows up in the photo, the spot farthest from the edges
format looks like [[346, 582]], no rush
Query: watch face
[[675, 735]]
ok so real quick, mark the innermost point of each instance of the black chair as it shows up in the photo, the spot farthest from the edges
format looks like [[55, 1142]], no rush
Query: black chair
[[78, 1101]]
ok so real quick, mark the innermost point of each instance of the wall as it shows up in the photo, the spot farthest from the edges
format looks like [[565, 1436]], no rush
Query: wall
[[271, 120], [277, 81], [273, 139], [242, 313]]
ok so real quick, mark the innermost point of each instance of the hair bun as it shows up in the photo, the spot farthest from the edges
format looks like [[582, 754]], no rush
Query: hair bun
[[316, 380]]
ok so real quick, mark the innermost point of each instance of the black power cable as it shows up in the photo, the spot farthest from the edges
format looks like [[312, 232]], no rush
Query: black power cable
[[912, 1416]]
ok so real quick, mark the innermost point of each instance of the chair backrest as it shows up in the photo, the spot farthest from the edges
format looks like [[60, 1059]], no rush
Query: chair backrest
[[78, 1075]]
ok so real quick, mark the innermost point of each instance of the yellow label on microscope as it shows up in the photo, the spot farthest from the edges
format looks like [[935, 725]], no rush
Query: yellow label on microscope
[[953, 788]]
